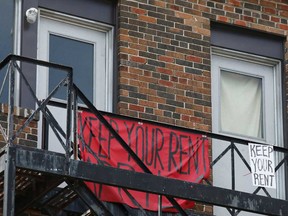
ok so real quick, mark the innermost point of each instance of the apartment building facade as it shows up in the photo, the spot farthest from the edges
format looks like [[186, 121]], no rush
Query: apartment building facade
[[215, 66]]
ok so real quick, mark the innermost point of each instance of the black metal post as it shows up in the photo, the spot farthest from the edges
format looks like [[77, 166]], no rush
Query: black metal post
[[69, 113], [9, 182], [11, 103], [232, 172], [75, 127]]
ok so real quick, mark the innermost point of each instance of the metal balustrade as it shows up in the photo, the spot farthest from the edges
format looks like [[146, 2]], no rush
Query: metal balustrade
[[30, 167]]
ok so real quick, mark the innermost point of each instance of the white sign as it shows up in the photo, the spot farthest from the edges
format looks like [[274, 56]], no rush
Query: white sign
[[262, 165]]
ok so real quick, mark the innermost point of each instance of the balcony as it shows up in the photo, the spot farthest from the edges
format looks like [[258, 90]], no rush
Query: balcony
[[38, 179]]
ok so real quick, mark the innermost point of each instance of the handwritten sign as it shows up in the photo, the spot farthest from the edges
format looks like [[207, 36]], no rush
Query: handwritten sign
[[165, 151], [262, 165]]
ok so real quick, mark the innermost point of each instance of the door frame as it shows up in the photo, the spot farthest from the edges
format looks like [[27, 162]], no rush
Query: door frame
[[109, 47], [90, 25]]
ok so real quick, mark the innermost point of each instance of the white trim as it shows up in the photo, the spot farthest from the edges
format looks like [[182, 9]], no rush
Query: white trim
[[17, 27], [277, 91], [276, 65], [109, 69], [244, 56], [74, 20], [86, 29], [17, 45], [90, 25]]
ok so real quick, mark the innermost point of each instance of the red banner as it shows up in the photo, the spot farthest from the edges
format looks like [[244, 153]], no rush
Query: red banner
[[165, 151]]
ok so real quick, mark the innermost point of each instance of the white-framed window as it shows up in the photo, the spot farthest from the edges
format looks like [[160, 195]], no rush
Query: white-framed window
[[246, 89], [246, 103]]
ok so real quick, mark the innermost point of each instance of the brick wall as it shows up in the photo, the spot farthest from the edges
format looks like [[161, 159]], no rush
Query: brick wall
[[164, 54], [28, 136]]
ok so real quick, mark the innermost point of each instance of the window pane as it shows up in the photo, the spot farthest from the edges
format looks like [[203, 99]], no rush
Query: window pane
[[78, 55], [6, 42], [241, 104]]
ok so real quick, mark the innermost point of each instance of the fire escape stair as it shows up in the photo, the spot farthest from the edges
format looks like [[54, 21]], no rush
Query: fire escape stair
[[50, 194], [31, 187]]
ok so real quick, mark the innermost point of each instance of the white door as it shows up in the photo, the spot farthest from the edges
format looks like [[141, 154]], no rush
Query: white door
[[246, 103], [84, 45]]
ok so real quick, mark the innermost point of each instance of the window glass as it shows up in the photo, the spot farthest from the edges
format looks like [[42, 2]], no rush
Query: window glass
[[76, 54], [241, 104], [6, 41]]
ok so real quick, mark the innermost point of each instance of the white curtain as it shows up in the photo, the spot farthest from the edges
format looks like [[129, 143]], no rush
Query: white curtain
[[241, 104]]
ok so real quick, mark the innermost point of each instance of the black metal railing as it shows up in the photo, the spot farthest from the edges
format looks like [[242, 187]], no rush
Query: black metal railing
[[41, 105], [68, 139]]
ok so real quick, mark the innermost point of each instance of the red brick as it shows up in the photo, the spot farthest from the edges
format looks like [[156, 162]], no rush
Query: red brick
[[185, 99], [147, 43], [138, 83], [248, 18], [138, 47], [136, 108], [174, 7], [174, 79], [148, 79], [240, 23], [166, 83], [185, 117], [282, 6], [284, 13], [174, 67], [138, 11], [128, 50], [159, 3], [122, 105], [183, 15], [184, 111], [156, 99], [234, 3], [269, 10], [253, 1], [138, 59], [183, 81], [147, 103], [164, 70], [123, 80], [201, 8], [147, 91], [229, 8], [129, 75], [136, 71], [275, 19], [175, 54], [147, 19], [166, 59], [282, 26], [268, 3], [128, 38], [123, 68], [194, 59], [223, 19]]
